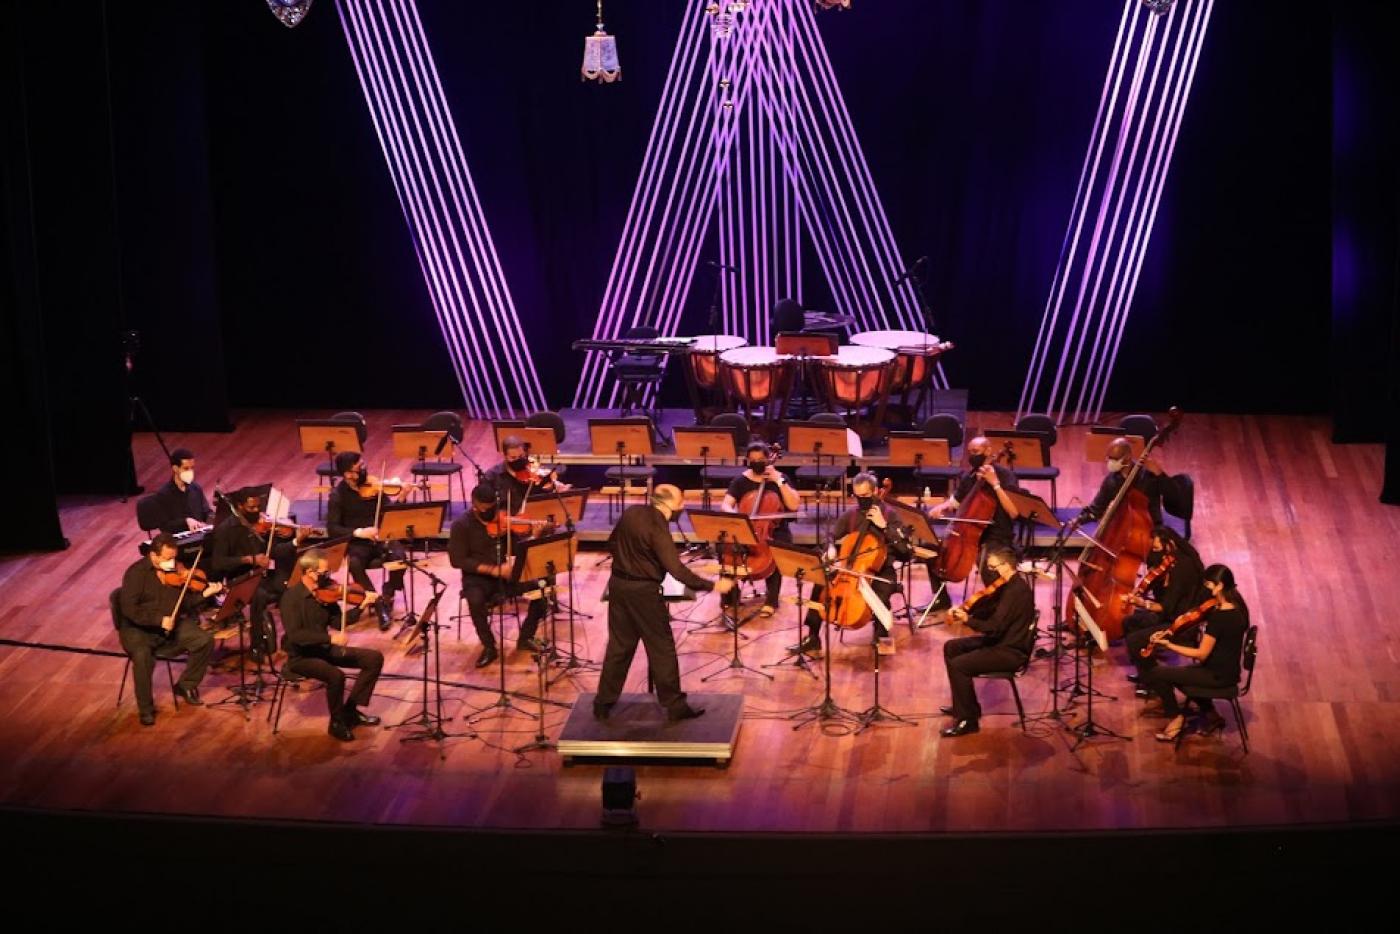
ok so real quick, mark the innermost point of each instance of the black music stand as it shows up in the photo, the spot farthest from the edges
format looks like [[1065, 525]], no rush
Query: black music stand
[[698, 442], [238, 595], [816, 566], [735, 530], [542, 560], [924, 539], [822, 441], [327, 436], [412, 443], [562, 510], [430, 723], [624, 438], [1089, 728], [801, 565], [410, 522]]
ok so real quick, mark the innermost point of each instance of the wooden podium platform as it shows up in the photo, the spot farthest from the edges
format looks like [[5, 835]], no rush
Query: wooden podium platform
[[637, 728]]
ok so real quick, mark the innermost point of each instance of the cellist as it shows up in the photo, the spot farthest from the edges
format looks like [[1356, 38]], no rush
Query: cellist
[[760, 474], [998, 478], [880, 523]]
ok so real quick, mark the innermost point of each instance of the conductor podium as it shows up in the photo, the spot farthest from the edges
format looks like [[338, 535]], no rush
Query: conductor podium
[[637, 729]]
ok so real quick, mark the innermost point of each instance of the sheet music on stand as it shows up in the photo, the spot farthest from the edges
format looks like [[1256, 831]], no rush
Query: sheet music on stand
[[1089, 625]]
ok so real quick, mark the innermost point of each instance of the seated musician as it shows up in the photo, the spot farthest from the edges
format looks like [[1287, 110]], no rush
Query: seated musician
[[878, 521], [1152, 480], [999, 478], [514, 479], [1222, 631], [1006, 623], [477, 548], [1171, 592], [761, 473], [180, 503], [350, 513], [238, 550], [316, 650], [149, 627]]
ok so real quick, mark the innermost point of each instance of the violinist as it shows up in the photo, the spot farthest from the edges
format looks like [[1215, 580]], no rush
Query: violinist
[[180, 503], [1174, 586], [149, 628], [1005, 622], [475, 546], [238, 550], [316, 650], [761, 474], [1152, 480], [350, 512], [878, 523], [515, 479], [643, 553], [1222, 629]]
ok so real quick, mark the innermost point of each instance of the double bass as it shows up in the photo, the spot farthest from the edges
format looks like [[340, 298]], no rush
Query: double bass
[[1108, 569], [765, 509], [957, 554]]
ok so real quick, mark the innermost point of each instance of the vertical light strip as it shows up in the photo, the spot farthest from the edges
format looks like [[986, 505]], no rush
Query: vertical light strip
[[1123, 204]]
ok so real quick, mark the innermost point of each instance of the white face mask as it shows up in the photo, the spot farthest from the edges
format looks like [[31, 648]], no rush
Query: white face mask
[[167, 565], [187, 477], [1115, 465]]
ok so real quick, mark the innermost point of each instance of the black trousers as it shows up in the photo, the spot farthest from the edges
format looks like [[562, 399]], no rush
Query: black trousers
[[975, 655], [361, 553], [144, 646], [326, 668], [1137, 634], [884, 590], [773, 588], [478, 590], [637, 613], [1165, 679]]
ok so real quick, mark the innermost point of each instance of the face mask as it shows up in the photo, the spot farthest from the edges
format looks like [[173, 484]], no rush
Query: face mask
[[324, 582], [361, 476], [976, 460], [758, 466], [187, 477], [167, 565], [865, 502], [252, 515], [520, 463], [989, 576], [487, 514], [1115, 465]]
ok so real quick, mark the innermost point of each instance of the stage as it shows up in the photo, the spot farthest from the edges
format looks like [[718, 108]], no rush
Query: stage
[[1294, 515]]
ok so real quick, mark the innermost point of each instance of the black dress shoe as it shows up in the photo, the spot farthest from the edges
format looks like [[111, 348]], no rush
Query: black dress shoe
[[601, 711], [946, 711], [1141, 691], [189, 695], [685, 713], [341, 731], [1136, 679], [528, 645], [148, 718], [488, 655], [961, 728], [811, 645], [381, 606], [357, 717]]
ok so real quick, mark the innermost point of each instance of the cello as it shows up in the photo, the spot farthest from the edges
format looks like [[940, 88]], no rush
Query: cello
[[1108, 569], [861, 554], [957, 554], [765, 509]]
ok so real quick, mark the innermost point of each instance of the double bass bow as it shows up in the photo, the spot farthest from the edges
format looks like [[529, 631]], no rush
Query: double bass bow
[[1108, 568]]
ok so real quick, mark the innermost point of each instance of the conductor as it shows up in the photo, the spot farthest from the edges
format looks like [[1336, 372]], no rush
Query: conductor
[[642, 555]]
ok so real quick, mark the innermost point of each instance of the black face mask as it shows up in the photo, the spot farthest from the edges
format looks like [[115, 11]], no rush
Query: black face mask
[[325, 582], [361, 476], [865, 502], [989, 577], [758, 466], [487, 514], [252, 516], [519, 463], [976, 460]]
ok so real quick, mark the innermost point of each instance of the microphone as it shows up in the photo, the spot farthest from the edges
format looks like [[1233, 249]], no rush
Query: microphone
[[442, 443], [914, 272], [714, 265]]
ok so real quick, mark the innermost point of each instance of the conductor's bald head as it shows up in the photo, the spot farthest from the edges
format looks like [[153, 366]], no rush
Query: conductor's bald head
[[668, 498]]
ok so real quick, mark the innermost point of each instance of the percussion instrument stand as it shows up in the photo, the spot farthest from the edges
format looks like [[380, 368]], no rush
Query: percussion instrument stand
[[429, 722], [796, 657], [828, 711]]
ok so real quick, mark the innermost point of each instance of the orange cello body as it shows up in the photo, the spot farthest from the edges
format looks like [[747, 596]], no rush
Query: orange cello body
[[863, 551], [957, 554], [1109, 573]]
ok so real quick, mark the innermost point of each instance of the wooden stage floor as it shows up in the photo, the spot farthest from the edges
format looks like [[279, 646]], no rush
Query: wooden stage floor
[[1294, 515]]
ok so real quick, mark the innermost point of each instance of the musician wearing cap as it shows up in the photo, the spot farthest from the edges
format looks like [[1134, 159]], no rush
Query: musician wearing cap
[[159, 618], [180, 505], [475, 546], [1005, 621], [351, 511], [643, 553], [317, 646], [760, 474], [515, 478]]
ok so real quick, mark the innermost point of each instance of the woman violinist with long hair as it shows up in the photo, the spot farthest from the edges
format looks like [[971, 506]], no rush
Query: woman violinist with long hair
[[1222, 622]]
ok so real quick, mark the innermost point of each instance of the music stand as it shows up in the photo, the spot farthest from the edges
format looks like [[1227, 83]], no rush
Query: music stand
[[329, 437], [801, 565], [539, 442], [238, 595], [541, 560], [823, 441], [702, 443], [412, 443], [563, 509], [1098, 439], [912, 449], [814, 565], [736, 530], [623, 437], [1089, 728], [408, 522], [924, 538]]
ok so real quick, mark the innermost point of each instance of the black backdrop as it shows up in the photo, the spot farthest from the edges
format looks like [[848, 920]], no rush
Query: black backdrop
[[201, 174]]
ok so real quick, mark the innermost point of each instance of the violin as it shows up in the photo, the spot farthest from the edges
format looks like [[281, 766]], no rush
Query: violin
[[519, 526], [1152, 574], [330, 594], [283, 529], [375, 486], [863, 554], [1184, 621], [195, 577], [534, 474], [983, 594]]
